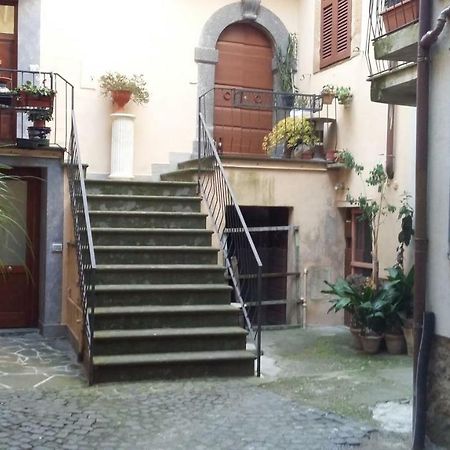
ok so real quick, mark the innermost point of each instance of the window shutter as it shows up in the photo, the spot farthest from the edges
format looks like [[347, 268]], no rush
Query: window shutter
[[334, 31]]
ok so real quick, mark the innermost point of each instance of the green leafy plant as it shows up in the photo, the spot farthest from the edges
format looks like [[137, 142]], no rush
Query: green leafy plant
[[286, 62], [343, 94], [45, 115], [114, 81], [34, 90], [329, 89], [405, 214], [291, 132]]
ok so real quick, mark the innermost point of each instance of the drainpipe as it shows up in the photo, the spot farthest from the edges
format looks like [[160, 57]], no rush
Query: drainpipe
[[390, 142], [427, 39]]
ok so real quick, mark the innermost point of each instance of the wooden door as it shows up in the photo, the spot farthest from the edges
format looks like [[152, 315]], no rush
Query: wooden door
[[19, 251], [242, 112], [8, 60]]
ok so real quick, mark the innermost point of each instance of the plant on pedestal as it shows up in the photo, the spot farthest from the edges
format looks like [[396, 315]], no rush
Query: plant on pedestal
[[122, 89]]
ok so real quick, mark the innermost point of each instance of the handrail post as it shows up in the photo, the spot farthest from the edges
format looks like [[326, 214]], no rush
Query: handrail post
[[259, 318], [199, 144]]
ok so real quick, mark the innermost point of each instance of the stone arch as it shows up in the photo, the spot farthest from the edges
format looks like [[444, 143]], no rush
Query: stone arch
[[249, 11]]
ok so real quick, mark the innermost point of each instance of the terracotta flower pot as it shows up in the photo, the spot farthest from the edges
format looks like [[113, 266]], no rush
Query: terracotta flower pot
[[395, 343], [327, 99], [356, 335], [330, 155], [408, 333], [371, 343], [120, 99]]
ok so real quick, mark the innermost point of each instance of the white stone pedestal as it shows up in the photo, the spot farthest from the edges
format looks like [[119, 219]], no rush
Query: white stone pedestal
[[122, 145]]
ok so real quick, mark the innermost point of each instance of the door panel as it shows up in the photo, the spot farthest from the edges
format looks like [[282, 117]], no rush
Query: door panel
[[8, 59], [242, 119], [19, 239]]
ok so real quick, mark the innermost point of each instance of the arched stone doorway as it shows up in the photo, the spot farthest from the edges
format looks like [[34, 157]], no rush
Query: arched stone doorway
[[247, 12]]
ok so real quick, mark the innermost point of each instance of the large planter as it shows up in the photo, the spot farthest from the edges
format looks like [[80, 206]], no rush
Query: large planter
[[371, 343], [395, 343], [356, 337], [400, 14], [34, 101], [408, 333]]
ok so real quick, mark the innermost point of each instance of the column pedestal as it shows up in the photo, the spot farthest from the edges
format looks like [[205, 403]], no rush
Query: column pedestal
[[122, 145]]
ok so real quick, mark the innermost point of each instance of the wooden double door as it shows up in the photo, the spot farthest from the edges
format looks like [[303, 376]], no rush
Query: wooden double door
[[19, 249], [243, 89]]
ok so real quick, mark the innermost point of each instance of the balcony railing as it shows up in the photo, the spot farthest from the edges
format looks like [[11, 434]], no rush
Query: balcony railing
[[18, 113], [385, 17]]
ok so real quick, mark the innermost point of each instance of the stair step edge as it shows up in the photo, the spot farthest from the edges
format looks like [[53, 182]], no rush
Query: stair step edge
[[166, 248], [175, 357], [198, 309], [168, 332], [161, 287], [156, 267]]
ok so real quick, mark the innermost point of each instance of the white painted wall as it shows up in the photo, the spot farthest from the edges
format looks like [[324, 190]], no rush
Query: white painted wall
[[438, 277]]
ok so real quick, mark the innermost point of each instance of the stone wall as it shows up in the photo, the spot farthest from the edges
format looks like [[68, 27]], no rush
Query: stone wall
[[438, 415]]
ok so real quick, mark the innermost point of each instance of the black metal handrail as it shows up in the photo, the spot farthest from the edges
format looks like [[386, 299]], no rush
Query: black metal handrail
[[241, 256], [83, 240], [387, 16], [14, 114]]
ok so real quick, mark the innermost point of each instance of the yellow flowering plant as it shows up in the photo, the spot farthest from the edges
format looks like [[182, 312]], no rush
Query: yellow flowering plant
[[290, 131]]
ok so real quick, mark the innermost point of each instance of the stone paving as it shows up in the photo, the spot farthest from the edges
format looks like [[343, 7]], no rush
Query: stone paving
[[46, 404]]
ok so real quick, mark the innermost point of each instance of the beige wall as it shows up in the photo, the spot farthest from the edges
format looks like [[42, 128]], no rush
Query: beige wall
[[83, 39]]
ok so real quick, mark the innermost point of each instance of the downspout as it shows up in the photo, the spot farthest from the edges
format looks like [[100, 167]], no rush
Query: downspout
[[427, 39]]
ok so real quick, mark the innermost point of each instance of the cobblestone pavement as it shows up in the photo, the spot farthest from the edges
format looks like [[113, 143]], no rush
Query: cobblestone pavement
[[45, 404]]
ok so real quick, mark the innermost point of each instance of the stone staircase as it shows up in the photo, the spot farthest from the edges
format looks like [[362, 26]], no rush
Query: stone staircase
[[162, 303]]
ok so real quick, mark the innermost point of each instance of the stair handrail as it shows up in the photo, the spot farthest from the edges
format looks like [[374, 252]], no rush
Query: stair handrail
[[226, 216], [83, 240]]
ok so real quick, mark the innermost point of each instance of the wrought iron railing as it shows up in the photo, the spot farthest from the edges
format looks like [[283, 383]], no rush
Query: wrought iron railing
[[387, 16], [83, 241], [240, 254], [16, 111], [239, 119]]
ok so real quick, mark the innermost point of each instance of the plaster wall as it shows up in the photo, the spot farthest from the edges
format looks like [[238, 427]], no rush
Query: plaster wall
[[438, 282], [308, 190], [361, 126], [156, 39]]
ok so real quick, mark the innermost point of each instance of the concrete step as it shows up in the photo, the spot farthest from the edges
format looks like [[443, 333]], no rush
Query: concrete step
[[152, 236], [188, 174], [109, 254], [140, 187], [159, 273], [181, 316], [163, 340], [136, 219], [162, 294], [110, 202], [173, 365]]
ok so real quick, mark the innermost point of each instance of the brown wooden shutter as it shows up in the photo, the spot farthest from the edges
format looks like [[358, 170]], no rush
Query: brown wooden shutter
[[335, 31]]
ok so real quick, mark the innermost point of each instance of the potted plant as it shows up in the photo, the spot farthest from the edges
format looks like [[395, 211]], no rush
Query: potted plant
[[349, 294], [373, 318], [328, 94], [39, 131], [286, 62], [31, 95], [297, 134], [344, 95], [398, 13], [122, 89]]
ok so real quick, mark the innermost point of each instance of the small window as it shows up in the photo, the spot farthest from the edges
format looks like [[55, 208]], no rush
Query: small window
[[6, 19], [361, 245], [335, 31]]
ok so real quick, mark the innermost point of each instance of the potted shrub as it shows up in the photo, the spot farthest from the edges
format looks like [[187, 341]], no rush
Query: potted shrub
[[31, 95], [39, 131], [350, 294], [344, 95], [296, 134], [286, 62], [328, 94], [122, 89], [398, 13]]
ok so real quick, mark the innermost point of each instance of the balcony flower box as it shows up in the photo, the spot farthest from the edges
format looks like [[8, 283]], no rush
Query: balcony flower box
[[399, 13], [34, 101]]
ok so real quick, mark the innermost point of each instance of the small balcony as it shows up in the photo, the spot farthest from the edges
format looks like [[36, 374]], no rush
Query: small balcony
[[265, 124], [35, 110], [392, 51]]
